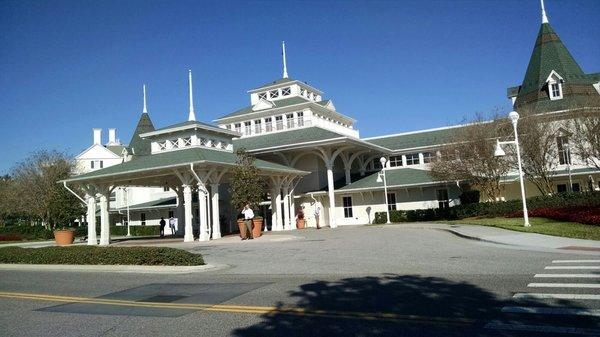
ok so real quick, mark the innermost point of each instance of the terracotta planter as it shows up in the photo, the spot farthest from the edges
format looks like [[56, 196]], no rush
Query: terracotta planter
[[300, 223], [243, 229], [64, 237], [257, 227]]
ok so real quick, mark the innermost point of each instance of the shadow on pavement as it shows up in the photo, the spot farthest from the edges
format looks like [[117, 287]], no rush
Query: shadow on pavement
[[437, 307]]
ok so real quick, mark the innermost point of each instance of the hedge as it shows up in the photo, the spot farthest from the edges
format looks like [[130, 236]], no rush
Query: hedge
[[27, 232], [92, 255], [493, 209]]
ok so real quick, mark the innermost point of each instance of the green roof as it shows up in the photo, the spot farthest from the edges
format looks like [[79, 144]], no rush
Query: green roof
[[141, 147], [289, 137], [549, 53], [199, 125], [116, 149], [415, 139], [401, 177], [277, 104], [276, 82], [563, 172], [178, 158]]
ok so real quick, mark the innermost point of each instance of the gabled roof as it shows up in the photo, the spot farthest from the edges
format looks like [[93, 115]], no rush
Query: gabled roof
[[137, 145], [416, 139], [116, 149], [280, 103], [402, 177], [283, 81], [178, 158], [109, 150]]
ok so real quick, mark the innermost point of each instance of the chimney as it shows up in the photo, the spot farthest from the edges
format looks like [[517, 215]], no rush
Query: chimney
[[97, 136], [112, 136]]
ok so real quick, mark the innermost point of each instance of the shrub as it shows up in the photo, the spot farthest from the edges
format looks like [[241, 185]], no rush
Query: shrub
[[91, 255], [395, 216], [469, 197], [24, 232], [122, 230]]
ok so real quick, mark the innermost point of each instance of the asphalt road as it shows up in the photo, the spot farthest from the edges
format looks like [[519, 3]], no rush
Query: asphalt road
[[362, 281]]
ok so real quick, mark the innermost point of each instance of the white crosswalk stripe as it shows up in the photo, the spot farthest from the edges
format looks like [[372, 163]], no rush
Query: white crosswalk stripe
[[567, 275], [552, 311], [576, 261], [556, 296], [564, 285], [573, 267]]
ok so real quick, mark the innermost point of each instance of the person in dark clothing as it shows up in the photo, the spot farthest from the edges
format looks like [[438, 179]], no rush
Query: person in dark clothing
[[163, 223]]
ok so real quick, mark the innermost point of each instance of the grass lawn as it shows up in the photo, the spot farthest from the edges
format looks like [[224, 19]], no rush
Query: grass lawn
[[93, 255], [538, 225]]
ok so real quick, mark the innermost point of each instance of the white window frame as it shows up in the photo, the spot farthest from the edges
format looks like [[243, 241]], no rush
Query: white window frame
[[174, 143], [274, 93], [162, 145], [187, 141], [551, 88], [262, 95], [268, 124], [247, 128], [412, 159], [428, 157], [286, 91], [289, 120], [300, 115], [395, 161], [238, 127], [279, 122], [257, 126], [391, 205]]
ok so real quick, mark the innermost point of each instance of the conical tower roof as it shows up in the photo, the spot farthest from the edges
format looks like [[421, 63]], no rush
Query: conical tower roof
[[137, 145]]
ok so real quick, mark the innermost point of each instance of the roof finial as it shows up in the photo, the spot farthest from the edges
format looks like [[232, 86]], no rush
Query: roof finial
[[192, 115], [145, 110], [544, 17], [285, 74]]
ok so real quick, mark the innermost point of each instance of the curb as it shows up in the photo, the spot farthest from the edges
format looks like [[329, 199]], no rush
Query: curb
[[474, 238], [113, 268]]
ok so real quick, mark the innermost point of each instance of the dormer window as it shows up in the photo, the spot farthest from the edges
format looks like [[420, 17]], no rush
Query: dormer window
[[274, 93], [262, 95], [554, 82], [286, 91]]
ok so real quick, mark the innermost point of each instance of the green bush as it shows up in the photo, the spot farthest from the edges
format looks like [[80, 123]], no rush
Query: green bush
[[395, 216], [495, 209], [469, 197], [91, 255], [122, 230], [25, 232]]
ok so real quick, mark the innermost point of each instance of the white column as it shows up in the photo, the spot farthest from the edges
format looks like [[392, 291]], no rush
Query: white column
[[287, 223], [187, 204], [347, 173], [91, 220], [216, 224], [104, 221], [332, 223], [202, 209], [274, 210], [292, 210], [180, 212]]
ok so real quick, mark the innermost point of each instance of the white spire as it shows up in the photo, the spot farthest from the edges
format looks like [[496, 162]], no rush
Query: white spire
[[544, 17], [285, 74], [192, 115], [145, 110]]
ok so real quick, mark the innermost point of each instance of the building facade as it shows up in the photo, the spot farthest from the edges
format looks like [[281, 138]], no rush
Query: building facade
[[311, 155]]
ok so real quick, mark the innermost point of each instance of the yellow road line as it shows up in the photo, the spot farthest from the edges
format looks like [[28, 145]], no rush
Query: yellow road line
[[376, 316]]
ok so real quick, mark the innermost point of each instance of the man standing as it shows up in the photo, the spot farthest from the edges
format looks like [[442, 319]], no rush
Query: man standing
[[318, 213], [248, 216], [172, 225], [162, 226]]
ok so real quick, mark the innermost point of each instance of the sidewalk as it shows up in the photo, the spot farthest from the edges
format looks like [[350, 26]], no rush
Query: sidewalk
[[508, 237]]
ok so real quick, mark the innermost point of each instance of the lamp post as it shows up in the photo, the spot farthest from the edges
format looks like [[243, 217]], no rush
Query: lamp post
[[380, 178], [567, 155], [126, 190], [514, 118]]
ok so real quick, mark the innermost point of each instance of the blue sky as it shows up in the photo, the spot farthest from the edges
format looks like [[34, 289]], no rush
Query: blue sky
[[69, 66]]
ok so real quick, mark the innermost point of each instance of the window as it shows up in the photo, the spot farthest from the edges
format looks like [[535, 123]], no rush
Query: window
[[428, 157], [203, 141], [238, 127], [300, 118], [290, 120], [442, 197], [224, 145], [268, 124], [395, 161], [247, 128], [274, 93], [187, 141], [564, 153], [555, 90], [257, 126], [171, 214], [96, 164], [347, 207], [302, 92], [92, 164], [412, 159], [101, 164], [228, 127], [561, 188], [279, 122], [214, 143], [112, 197], [286, 91], [391, 201], [162, 145], [262, 95], [174, 143], [143, 218], [166, 189], [576, 187]]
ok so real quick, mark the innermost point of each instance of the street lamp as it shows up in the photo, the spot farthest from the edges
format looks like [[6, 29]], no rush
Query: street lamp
[[567, 155], [499, 152], [381, 178], [126, 190]]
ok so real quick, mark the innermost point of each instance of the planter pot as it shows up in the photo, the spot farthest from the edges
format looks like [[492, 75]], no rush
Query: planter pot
[[242, 227], [64, 237], [257, 227], [300, 223]]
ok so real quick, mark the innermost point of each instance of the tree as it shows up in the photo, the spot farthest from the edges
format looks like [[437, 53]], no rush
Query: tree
[[40, 195], [471, 157], [585, 136], [246, 185]]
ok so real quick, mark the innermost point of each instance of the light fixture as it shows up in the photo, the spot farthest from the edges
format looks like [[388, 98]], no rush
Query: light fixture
[[382, 160], [379, 180], [514, 116], [499, 152]]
